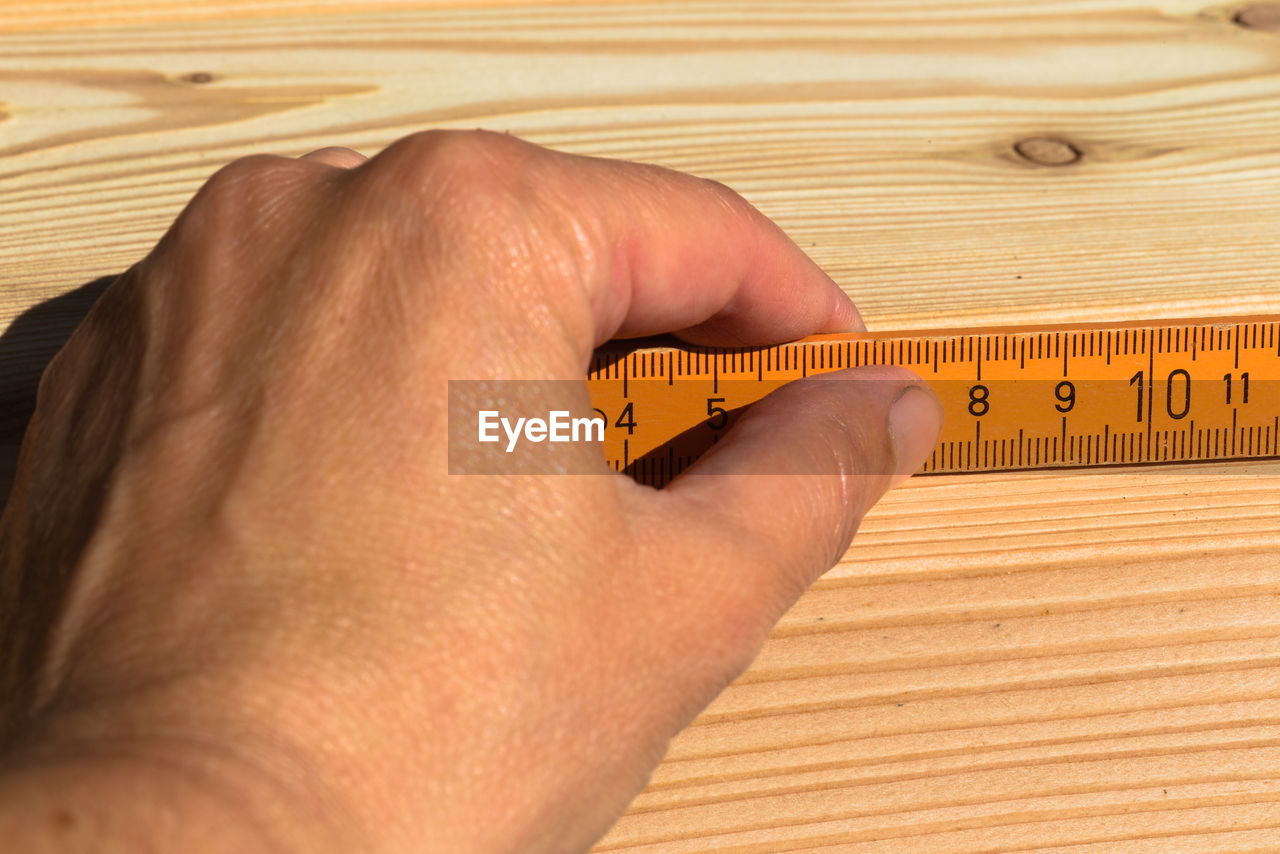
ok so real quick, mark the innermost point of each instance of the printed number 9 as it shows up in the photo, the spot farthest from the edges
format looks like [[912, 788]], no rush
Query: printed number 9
[[1066, 395]]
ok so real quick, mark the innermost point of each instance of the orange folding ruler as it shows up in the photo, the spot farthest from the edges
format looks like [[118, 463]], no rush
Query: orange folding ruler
[[1013, 398]]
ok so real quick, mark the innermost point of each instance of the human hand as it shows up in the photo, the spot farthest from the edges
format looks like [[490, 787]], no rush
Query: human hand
[[280, 621]]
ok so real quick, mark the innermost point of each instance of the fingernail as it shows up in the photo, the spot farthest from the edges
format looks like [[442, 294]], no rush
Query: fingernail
[[915, 420]]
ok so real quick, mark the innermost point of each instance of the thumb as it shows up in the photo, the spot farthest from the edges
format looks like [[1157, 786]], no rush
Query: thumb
[[793, 477]]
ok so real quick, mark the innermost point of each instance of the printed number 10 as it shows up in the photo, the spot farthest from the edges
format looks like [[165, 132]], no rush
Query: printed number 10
[[1176, 409]]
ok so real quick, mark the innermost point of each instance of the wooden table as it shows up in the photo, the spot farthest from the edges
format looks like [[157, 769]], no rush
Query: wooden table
[[1047, 662]]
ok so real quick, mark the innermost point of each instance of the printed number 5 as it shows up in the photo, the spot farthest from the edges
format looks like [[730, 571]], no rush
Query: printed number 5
[[717, 417]]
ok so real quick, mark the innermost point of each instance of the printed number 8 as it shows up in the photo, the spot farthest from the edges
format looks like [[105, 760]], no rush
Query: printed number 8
[[978, 405]]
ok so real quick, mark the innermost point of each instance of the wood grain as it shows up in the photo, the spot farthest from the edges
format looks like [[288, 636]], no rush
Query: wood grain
[[1035, 662]]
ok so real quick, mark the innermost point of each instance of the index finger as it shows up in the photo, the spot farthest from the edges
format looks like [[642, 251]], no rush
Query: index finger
[[693, 257]]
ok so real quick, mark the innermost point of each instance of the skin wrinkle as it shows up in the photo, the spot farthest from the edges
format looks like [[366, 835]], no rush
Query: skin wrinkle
[[192, 763]]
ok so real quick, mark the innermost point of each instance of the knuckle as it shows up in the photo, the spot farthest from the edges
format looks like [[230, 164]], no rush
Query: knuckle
[[497, 200], [720, 188], [727, 197], [474, 163], [849, 415], [851, 443], [254, 174], [239, 198], [336, 154]]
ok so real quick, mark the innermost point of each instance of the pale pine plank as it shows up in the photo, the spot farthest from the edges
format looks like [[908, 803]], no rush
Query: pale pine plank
[[43, 15], [1033, 662], [902, 697]]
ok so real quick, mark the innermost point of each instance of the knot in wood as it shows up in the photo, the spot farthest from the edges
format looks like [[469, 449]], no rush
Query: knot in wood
[[1047, 151], [197, 77], [1259, 16]]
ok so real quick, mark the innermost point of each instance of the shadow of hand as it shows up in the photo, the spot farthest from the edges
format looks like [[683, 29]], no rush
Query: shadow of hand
[[25, 349]]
